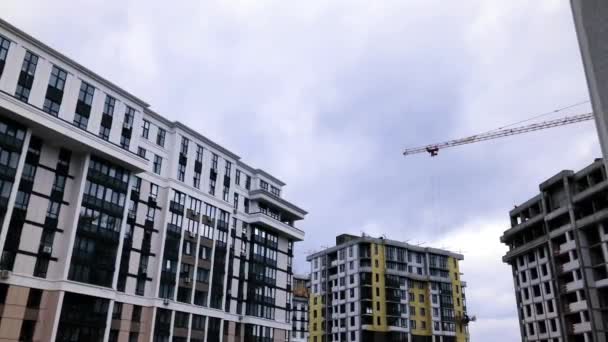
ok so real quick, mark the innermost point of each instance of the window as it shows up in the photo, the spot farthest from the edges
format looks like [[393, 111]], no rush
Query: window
[[202, 275], [54, 93], [129, 117], [53, 210], [226, 193], [184, 146], [214, 160], [181, 320], [160, 137], [247, 182], [58, 77], [86, 93], [199, 153], [4, 45], [136, 316], [237, 179], [228, 168], [275, 191], [263, 185], [27, 330], [145, 130], [106, 120], [196, 181], [204, 253], [236, 201], [151, 213], [141, 152], [212, 187], [59, 183], [34, 298], [117, 310], [104, 132], [83, 107], [158, 163], [26, 79], [108, 106], [22, 200], [181, 172], [153, 190]]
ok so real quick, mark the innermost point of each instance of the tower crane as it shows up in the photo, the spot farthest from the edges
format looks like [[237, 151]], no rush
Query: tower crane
[[433, 149]]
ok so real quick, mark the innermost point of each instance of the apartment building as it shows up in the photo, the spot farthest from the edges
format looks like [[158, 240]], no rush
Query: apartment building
[[558, 252], [117, 224], [368, 289], [301, 291]]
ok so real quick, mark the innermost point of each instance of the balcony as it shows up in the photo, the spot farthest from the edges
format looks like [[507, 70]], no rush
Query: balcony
[[176, 207], [10, 143], [95, 231], [290, 209], [276, 225], [570, 266], [565, 247], [581, 327], [601, 282], [108, 207], [577, 306], [572, 286], [7, 173], [104, 179]]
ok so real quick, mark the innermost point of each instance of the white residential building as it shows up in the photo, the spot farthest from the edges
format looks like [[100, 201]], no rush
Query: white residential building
[[120, 225]]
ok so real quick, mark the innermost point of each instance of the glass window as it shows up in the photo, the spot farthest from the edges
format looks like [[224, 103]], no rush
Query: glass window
[[160, 137], [58, 77], [86, 93], [145, 130], [108, 106], [158, 162]]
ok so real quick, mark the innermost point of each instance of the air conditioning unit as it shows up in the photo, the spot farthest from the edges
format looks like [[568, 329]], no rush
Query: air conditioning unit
[[143, 270], [166, 301], [187, 280], [191, 234], [4, 274], [47, 250]]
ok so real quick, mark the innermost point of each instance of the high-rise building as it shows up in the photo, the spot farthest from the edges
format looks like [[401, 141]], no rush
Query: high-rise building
[[558, 251], [368, 289], [592, 31], [299, 308], [119, 225]]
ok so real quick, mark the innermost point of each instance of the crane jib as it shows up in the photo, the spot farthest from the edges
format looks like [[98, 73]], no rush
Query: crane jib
[[433, 149]]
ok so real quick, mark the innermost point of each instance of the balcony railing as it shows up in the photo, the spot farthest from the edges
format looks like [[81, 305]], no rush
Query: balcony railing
[[108, 180], [98, 232], [176, 207], [96, 203]]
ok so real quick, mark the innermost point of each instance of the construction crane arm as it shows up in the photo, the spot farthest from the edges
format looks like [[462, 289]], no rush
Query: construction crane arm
[[433, 149]]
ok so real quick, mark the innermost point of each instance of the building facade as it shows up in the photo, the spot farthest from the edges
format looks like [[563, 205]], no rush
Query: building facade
[[592, 32], [117, 224], [368, 289], [299, 308], [558, 251]]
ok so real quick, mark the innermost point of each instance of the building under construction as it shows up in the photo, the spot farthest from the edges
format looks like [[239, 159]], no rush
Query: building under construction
[[558, 249]]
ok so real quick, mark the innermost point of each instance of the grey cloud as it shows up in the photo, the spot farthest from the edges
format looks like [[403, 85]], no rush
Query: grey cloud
[[326, 94]]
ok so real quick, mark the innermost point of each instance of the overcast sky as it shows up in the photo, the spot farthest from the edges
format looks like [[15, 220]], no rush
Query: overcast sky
[[326, 94]]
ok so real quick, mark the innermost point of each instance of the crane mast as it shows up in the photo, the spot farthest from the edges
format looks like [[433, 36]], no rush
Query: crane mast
[[433, 149]]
